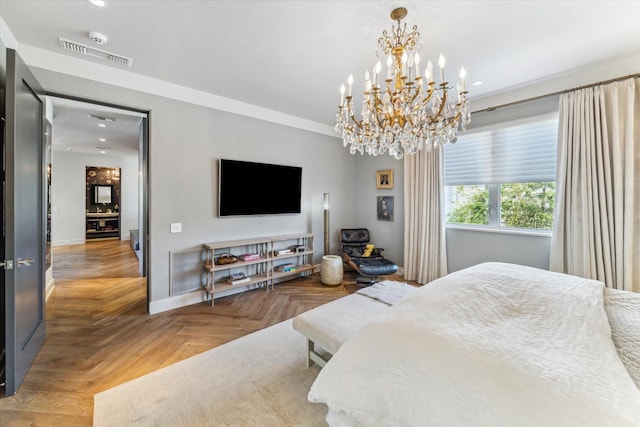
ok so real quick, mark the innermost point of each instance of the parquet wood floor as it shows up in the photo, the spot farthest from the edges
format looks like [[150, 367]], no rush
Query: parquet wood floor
[[98, 334]]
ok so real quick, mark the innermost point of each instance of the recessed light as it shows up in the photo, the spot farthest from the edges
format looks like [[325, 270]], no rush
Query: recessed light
[[101, 139], [99, 3], [103, 118], [102, 125], [477, 83]]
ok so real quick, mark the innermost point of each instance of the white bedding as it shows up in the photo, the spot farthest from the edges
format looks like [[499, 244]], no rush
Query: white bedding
[[493, 345]]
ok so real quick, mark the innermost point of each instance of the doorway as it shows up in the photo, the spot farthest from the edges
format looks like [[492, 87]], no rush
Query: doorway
[[89, 135]]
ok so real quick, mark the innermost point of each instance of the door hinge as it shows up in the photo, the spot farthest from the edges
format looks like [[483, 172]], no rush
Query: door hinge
[[7, 264]]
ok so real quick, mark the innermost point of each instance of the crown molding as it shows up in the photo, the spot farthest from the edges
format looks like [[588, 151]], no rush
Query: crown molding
[[52, 61]]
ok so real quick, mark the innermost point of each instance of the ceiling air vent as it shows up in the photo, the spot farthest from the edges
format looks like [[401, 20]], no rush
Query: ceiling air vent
[[96, 53]]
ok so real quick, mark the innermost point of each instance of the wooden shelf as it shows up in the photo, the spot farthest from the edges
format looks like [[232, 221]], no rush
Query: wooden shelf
[[303, 268], [260, 271], [215, 267]]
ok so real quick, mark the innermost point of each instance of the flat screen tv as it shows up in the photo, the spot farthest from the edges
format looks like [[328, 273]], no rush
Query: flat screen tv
[[250, 188]]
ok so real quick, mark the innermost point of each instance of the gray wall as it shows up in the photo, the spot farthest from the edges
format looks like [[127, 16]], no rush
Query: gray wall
[[186, 142], [388, 235]]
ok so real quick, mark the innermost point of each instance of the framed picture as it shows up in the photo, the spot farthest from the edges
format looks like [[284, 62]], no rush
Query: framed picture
[[384, 178], [385, 208]]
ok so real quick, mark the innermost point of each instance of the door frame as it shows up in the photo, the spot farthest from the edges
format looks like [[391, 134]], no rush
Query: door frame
[[144, 176]]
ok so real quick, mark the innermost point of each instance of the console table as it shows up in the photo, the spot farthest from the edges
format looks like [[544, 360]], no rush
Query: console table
[[262, 261], [103, 225]]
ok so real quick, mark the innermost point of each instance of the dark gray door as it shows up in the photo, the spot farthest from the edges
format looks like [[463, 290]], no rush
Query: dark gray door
[[23, 216]]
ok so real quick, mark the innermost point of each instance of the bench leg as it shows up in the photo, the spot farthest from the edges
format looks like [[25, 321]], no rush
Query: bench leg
[[313, 356], [310, 348]]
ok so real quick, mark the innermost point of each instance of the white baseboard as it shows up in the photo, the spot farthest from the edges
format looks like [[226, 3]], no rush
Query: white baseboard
[[68, 242], [177, 301]]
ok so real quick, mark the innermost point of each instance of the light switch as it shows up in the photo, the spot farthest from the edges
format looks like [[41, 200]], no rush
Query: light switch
[[176, 227]]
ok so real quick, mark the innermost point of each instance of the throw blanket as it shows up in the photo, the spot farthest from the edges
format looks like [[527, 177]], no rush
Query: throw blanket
[[493, 345], [387, 291]]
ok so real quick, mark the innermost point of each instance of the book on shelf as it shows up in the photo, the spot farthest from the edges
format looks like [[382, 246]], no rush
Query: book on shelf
[[249, 257], [237, 278], [285, 268], [282, 252]]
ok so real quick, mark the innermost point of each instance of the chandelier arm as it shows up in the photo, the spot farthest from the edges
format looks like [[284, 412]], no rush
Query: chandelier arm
[[378, 109], [350, 112], [443, 102], [427, 99], [415, 95], [454, 118], [355, 121]]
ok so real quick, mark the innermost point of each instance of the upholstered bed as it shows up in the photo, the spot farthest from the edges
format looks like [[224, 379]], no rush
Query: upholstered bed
[[492, 345]]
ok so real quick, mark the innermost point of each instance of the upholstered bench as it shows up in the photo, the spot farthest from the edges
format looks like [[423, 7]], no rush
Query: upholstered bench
[[331, 324]]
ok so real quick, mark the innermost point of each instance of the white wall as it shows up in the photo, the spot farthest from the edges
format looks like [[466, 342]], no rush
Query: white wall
[[68, 194], [467, 247]]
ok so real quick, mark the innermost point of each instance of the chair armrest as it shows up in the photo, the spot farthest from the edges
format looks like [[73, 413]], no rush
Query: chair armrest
[[377, 252]]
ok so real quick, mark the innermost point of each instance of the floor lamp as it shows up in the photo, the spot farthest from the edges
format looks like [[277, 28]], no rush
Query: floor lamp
[[325, 206]]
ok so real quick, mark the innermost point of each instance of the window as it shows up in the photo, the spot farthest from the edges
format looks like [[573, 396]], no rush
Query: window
[[503, 175]]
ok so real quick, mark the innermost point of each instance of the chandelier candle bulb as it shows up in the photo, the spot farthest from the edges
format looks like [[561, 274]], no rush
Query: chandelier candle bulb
[[377, 69], [403, 59], [410, 67], [463, 74], [429, 71], [342, 94], [350, 82], [416, 60], [441, 64]]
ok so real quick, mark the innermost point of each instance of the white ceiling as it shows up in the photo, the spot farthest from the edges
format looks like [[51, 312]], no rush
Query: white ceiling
[[292, 56], [76, 127]]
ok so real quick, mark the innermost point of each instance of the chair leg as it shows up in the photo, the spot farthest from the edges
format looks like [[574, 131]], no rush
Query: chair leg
[[366, 280]]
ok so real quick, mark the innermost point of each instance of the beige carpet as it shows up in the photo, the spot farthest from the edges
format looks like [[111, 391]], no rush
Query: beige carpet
[[257, 380]]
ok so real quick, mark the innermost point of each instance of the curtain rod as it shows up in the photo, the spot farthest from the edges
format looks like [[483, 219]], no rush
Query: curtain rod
[[508, 104]]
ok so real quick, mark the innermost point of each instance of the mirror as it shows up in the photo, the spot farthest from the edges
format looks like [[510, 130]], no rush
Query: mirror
[[102, 194]]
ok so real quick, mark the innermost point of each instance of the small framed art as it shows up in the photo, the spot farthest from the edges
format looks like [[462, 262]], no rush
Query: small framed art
[[384, 178], [385, 208]]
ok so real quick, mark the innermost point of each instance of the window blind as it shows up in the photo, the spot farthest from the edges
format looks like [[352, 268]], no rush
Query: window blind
[[517, 151]]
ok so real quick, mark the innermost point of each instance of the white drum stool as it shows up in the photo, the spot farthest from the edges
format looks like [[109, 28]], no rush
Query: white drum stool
[[331, 270]]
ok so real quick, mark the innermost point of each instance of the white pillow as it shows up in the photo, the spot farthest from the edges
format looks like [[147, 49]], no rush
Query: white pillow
[[623, 310]]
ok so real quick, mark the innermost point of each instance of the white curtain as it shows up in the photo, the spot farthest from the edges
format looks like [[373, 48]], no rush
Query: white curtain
[[425, 255], [597, 218]]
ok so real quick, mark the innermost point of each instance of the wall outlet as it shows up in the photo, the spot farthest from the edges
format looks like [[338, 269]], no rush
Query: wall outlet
[[176, 227]]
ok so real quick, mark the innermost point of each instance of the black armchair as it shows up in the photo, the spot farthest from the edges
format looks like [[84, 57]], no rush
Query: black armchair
[[364, 257]]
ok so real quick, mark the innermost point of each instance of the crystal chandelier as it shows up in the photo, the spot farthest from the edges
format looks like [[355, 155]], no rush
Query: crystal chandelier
[[407, 112]]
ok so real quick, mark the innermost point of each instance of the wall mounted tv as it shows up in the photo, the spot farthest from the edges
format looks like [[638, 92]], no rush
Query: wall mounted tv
[[249, 188]]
